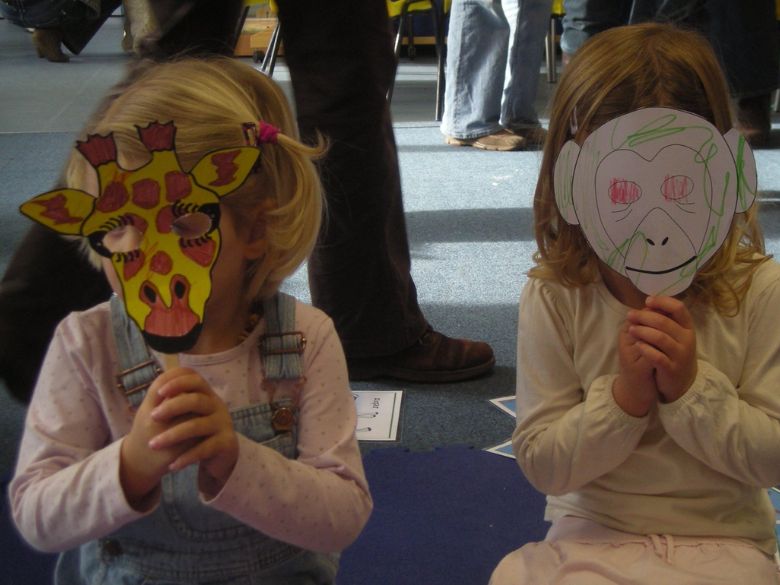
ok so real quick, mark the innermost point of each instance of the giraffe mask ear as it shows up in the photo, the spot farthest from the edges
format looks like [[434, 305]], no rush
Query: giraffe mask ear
[[223, 171], [63, 210]]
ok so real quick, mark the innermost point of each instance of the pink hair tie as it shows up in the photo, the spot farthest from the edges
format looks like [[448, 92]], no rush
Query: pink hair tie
[[260, 133]]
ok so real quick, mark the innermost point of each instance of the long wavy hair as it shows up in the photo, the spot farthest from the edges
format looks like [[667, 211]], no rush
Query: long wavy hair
[[618, 71]]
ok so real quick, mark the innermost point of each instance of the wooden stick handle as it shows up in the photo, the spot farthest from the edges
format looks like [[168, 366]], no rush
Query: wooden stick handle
[[170, 361]]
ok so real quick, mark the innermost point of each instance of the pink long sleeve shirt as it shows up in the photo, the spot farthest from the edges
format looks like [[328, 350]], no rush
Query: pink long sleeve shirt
[[66, 488]]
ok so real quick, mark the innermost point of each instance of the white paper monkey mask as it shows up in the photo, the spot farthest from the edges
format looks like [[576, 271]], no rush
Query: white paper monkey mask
[[655, 192]]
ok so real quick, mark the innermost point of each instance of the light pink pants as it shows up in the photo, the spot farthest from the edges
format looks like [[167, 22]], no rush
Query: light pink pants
[[582, 552]]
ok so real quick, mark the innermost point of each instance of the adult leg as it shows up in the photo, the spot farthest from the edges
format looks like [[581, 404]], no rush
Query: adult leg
[[341, 65], [585, 18], [528, 20], [477, 44], [744, 35], [48, 277], [79, 25]]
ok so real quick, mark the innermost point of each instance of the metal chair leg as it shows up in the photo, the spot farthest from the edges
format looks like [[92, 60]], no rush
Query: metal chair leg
[[441, 52], [549, 51], [269, 61]]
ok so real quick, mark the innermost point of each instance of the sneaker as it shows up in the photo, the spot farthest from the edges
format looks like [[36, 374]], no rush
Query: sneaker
[[434, 358], [503, 140]]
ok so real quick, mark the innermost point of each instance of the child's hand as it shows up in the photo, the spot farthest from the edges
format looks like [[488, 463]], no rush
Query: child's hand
[[634, 389], [208, 424], [667, 340], [142, 467]]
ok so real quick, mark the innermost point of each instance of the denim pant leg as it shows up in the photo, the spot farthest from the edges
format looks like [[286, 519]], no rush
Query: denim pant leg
[[34, 13], [341, 61], [477, 45], [585, 18], [528, 20]]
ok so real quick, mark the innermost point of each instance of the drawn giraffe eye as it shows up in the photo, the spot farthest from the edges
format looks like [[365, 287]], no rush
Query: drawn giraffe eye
[[191, 226], [624, 192], [122, 239], [677, 188]]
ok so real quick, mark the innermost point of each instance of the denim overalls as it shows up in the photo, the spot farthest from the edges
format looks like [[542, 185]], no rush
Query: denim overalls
[[184, 541]]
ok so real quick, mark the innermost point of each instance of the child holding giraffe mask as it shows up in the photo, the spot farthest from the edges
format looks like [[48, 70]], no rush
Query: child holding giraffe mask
[[238, 464]]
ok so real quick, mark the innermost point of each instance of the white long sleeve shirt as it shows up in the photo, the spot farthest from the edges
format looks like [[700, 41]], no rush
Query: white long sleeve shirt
[[66, 488], [698, 466]]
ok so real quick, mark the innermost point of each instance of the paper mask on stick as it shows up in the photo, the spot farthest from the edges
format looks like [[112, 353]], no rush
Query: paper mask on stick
[[157, 224], [655, 192]]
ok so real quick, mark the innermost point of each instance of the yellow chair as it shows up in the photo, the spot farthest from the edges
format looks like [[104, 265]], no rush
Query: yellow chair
[[269, 56], [402, 11]]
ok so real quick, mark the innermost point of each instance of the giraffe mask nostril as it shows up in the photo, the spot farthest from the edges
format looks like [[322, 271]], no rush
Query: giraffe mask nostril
[[150, 294], [179, 289]]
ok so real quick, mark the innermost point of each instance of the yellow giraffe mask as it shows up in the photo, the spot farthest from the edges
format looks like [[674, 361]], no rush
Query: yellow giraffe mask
[[157, 224]]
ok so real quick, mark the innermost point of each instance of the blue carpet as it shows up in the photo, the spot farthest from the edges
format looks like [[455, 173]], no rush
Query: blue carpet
[[20, 564], [441, 517]]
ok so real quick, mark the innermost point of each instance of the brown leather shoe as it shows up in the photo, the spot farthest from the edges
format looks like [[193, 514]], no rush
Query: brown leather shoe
[[47, 44], [754, 119], [434, 358]]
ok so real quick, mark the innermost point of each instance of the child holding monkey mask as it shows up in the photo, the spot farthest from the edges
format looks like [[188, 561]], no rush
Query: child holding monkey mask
[[648, 409]]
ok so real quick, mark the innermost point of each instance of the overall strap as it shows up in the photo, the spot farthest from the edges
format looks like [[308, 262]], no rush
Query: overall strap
[[137, 366], [281, 347]]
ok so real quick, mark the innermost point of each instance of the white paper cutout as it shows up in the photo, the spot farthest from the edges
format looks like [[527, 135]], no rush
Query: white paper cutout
[[655, 192]]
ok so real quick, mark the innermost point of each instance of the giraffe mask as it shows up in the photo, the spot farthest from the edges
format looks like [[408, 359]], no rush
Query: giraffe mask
[[158, 224]]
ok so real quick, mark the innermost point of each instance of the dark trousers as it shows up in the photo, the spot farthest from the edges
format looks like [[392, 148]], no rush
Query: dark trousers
[[340, 56], [340, 59], [743, 34]]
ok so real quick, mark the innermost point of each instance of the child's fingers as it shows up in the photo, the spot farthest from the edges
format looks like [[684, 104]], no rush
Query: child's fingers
[[188, 403], [672, 307], [186, 381], [202, 451], [194, 428], [652, 336], [656, 358], [659, 321]]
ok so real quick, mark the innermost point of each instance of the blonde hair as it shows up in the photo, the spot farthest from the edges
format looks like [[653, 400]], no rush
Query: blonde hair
[[616, 72], [209, 100]]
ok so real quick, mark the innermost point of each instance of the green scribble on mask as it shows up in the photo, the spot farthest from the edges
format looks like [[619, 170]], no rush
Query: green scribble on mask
[[565, 200], [742, 185], [621, 250]]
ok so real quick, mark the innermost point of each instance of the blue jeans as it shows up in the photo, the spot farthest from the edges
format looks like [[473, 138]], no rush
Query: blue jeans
[[43, 13], [494, 51], [77, 22]]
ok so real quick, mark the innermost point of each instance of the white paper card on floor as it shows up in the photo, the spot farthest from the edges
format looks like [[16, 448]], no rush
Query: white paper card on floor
[[378, 413]]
